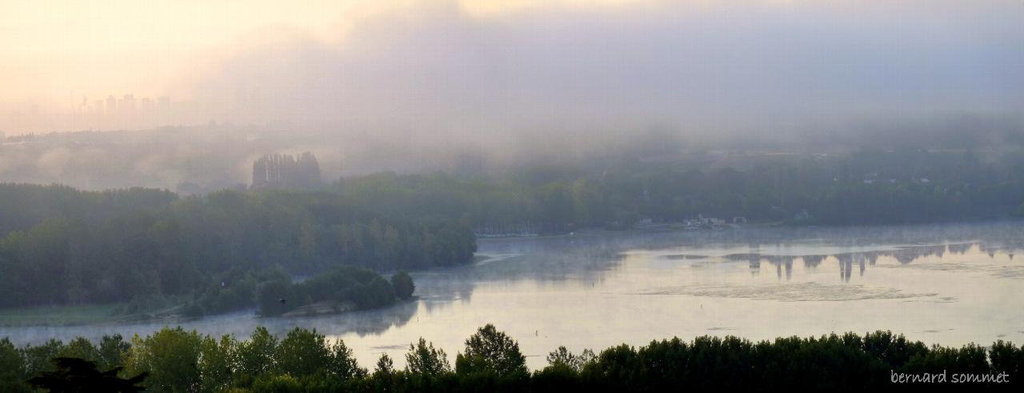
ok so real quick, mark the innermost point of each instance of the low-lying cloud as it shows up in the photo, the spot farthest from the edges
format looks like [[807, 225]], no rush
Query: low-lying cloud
[[441, 70]]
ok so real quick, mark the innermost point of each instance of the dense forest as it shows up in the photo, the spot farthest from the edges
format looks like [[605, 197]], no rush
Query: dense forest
[[64, 246], [73, 247], [175, 360], [340, 289], [621, 188]]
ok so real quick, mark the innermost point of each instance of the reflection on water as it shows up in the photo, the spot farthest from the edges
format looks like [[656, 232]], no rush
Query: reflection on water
[[941, 284], [846, 260]]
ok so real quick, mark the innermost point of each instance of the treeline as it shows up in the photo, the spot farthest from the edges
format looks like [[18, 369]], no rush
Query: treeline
[[143, 243], [341, 289], [618, 190], [175, 360], [286, 171], [22, 206]]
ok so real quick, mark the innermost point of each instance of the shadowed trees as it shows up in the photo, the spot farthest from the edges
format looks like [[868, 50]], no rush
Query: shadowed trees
[[216, 250], [403, 285], [491, 351], [340, 289], [12, 367], [423, 359], [304, 360], [74, 375]]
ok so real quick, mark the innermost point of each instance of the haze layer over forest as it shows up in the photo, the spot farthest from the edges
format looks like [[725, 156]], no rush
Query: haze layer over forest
[[428, 80]]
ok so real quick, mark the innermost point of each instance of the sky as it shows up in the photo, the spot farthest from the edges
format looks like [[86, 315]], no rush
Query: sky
[[448, 67]]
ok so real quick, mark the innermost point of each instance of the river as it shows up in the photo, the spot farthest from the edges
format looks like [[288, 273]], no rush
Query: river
[[941, 284]]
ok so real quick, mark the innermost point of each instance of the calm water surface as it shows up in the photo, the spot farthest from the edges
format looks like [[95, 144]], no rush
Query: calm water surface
[[950, 285]]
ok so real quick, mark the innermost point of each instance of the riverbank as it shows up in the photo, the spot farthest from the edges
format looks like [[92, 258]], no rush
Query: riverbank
[[944, 284], [85, 314]]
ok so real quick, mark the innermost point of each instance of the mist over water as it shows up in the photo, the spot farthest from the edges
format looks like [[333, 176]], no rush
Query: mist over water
[[431, 85], [948, 285], [424, 123]]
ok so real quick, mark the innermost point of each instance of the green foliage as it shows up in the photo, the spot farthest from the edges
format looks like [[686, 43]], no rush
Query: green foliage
[[236, 289], [615, 190], [277, 384], [343, 363], [403, 285], [37, 357], [256, 356], [385, 366], [384, 377], [218, 250], [562, 358], [25, 205], [491, 351], [217, 361], [80, 348], [112, 351], [303, 353], [170, 357], [64, 246], [273, 297], [12, 368], [424, 360], [342, 288], [179, 361]]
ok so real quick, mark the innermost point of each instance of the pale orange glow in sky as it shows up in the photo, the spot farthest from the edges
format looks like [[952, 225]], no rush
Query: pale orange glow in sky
[[57, 52], [464, 61], [59, 49]]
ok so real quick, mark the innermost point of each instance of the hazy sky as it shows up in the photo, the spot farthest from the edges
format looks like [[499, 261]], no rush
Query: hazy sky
[[477, 64], [59, 49]]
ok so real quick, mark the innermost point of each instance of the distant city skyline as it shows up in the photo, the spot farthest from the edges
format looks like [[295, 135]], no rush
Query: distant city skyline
[[456, 67], [126, 111]]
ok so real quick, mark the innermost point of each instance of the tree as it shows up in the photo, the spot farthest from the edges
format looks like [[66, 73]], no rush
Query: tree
[[893, 350], [12, 368], [273, 298], [384, 376], [562, 358], [491, 351], [170, 356], [217, 363], [303, 353], [403, 285], [563, 372], [343, 362], [278, 384], [112, 350], [80, 375], [37, 357], [424, 359], [255, 357], [385, 366], [1004, 357], [81, 348], [143, 247]]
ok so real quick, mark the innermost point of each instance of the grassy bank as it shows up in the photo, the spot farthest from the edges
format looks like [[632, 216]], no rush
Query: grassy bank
[[60, 315]]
